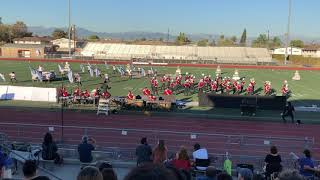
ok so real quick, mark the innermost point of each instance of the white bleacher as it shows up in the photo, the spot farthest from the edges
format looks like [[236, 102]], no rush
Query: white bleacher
[[219, 54]]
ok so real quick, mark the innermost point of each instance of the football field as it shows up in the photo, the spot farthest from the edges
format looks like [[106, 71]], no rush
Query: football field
[[305, 92]]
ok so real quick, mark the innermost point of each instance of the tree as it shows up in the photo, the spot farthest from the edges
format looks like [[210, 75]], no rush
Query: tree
[[297, 43], [243, 39], [4, 33], [203, 42], [161, 39], [276, 42], [20, 30], [261, 41], [182, 39], [226, 41], [93, 37], [59, 33], [213, 43], [234, 39]]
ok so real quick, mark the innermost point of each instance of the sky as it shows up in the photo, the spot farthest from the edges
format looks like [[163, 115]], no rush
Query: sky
[[227, 17]]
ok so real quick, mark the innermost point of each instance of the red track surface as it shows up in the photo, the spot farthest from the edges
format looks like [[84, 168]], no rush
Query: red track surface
[[112, 138], [172, 65]]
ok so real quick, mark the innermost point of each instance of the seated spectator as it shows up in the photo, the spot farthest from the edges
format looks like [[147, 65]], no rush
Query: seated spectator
[[272, 162], [107, 171], [211, 174], [306, 163], [85, 149], [30, 171], [49, 148], [90, 173], [182, 160], [224, 176], [290, 175], [149, 171], [245, 174], [143, 152], [159, 154], [200, 157]]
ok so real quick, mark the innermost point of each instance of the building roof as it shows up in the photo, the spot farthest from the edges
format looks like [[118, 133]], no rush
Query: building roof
[[311, 48], [25, 45], [34, 38]]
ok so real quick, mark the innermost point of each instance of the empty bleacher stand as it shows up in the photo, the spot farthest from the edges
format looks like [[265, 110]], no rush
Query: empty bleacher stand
[[178, 54]]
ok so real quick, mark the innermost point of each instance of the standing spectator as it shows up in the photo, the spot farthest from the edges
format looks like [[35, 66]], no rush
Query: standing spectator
[[160, 153], [200, 157], [272, 162], [30, 171], [306, 163], [182, 160], [49, 149], [288, 111], [143, 152], [90, 173], [85, 149]]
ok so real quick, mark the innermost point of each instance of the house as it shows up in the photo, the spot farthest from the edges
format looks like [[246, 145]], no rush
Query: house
[[21, 50], [32, 40], [290, 51], [311, 51], [63, 44]]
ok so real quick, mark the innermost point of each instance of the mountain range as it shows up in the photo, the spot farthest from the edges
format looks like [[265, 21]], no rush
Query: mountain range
[[132, 35]]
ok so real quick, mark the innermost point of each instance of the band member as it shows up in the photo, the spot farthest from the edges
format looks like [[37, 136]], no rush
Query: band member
[[155, 86], [114, 69], [249, 89], [146, 91], [77, 78], [267, 88], [13, 77], [253, 83], [187, 85], [167, 92], [40, 69], [77, 92], [285, 88], [64, 92], [106, 94], [228, 87], [163, 81], [86, 94], [243, 82], [151, 97], [106, 78], [214, 86], [201, 85], [130, 96]]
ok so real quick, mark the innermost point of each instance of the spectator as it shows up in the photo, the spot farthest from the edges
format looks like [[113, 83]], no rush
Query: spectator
[[109, 174], [182, 160], [306, 163], [258, 177], [107, 171], [245, 174], [224, 176], [200, 157], [149, 171], [30, 171], [49, 149], [143, 152], [160, 153], [211, 174], [85, 149], [272, 162], [290, 175], [90, 173]]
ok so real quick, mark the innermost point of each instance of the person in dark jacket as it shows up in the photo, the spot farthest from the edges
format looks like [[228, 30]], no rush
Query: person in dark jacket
[[273, 162], [143, 152], [49, 148], [85, 149]]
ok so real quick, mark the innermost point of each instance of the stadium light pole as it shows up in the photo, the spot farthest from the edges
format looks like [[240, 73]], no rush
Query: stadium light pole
[[288, 33], [69, 28]]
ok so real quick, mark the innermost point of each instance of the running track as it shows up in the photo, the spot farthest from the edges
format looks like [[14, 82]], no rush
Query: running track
[[112, 138]]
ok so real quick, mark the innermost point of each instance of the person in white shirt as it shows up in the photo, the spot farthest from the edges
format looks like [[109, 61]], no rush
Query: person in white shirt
[[12, 77], [200, 157]]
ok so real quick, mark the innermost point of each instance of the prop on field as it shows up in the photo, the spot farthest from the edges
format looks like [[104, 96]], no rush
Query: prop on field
[[67, 67], [2, 77], [236, 75], [70, 76], [77, 78], [178, 71], [143, 72], [218, 71], [90, 70], [82, 68], [296, 76], [64, 71], [97, 72]]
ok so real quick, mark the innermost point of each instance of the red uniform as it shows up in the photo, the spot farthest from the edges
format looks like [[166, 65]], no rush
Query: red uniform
[[146, 92], [249, 89], [76, 92], [167, 92], [130, 96], [155, 83], [201, 85], [267, 89], [228, 87], [284, 90], [65, 93], [106, 95], [214, 86], [86, 94], [187, 84], [152, 98]]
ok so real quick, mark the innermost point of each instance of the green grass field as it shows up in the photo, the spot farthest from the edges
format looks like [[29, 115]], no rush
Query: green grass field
[[306, 91]]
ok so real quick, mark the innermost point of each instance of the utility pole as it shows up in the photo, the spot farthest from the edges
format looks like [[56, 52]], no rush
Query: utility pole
[[288, 34], [69, 27], [168, 36]]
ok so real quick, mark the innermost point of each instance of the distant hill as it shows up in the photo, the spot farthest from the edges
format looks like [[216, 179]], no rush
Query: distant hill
[[83, 33]]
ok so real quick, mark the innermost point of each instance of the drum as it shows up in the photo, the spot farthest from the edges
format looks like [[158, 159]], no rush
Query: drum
[[165, 105], [139, 103]]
